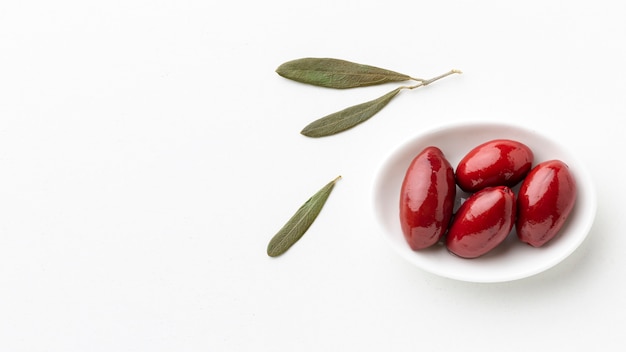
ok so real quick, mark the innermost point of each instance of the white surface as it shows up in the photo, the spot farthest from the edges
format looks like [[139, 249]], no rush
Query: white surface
[[512, 259], [149, 152]]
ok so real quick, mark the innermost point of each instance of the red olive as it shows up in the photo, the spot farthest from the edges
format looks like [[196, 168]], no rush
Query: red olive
[[482, 222], [545, 200], [427, 198], [499, 162]]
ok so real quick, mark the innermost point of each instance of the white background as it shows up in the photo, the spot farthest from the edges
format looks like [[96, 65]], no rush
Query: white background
[[148, 152]]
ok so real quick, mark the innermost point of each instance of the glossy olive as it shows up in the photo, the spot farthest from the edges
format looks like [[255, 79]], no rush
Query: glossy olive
[[427, 198], [546, 198], [499, 162], [482, 222]]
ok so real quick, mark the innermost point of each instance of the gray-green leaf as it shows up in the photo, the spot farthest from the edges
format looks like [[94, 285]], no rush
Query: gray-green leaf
[[300, 222], [347, 118], [335, 73]]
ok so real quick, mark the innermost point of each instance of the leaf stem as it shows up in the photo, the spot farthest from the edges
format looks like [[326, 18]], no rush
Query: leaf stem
[[425, 82]]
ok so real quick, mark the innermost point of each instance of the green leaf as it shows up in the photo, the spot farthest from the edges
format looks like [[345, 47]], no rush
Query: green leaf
[[347, 118], [300, 222], [336, 73]]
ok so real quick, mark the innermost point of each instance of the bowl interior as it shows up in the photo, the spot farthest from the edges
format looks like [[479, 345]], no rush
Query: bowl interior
[[512, 259]]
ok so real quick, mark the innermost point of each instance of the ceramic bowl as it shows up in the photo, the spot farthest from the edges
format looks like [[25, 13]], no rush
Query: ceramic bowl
[[512, 259]]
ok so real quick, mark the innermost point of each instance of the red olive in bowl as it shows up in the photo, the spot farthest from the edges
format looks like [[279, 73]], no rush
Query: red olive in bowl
[[499, 162], [427, 198], [482, 222], [546, 198]]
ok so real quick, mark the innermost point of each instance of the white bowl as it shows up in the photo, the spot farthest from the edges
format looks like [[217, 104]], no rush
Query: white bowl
[[512, 259]]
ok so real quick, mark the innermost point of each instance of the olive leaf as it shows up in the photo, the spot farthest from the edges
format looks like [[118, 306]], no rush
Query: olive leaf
[[336, 73], [300, 222], [354, 115], [348, 117]]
